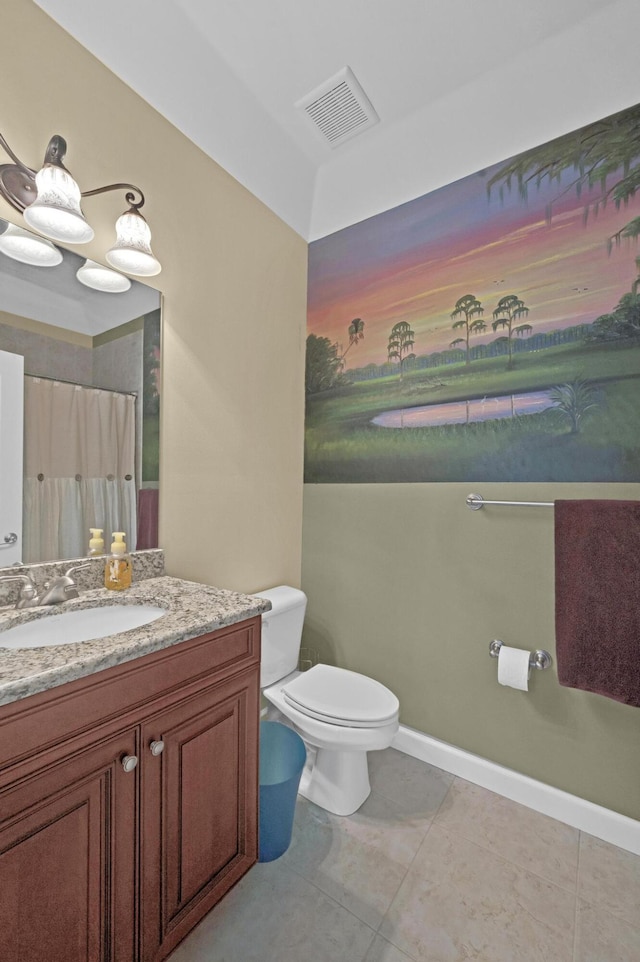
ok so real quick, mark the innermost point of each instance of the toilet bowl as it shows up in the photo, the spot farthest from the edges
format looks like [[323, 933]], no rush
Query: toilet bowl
[[340, 714], [336, 776]]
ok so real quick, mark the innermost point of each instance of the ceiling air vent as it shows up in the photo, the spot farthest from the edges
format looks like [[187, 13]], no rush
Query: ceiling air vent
[[339, 108]]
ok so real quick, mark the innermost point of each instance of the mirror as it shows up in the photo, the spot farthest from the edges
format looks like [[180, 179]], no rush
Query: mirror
[[108, 343]]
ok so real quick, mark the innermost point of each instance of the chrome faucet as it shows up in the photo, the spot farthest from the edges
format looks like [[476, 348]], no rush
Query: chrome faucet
[[62, 588], [53, 592]]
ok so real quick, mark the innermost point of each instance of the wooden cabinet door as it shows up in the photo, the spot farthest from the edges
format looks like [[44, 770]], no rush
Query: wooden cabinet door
[[68, 860], [199, 804]]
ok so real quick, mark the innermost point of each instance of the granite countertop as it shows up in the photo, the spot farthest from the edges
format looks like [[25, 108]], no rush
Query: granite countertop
[[192, 610]]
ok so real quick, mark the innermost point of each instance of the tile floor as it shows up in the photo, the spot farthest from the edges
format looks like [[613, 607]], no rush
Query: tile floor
[[431, 869]]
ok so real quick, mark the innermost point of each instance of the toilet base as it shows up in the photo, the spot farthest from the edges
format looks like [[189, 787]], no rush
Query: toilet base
[[337, 781]]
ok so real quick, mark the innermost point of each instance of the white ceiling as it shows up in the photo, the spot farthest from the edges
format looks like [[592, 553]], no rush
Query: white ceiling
[[458, 85]]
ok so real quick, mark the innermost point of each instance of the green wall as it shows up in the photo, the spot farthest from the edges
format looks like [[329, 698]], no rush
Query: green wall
[[409, 586]]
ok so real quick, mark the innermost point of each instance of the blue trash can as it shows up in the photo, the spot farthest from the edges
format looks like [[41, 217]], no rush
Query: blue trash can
[[282, 758]]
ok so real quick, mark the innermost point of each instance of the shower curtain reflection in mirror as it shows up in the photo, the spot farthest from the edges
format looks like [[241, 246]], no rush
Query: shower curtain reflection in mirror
[[79, 468]]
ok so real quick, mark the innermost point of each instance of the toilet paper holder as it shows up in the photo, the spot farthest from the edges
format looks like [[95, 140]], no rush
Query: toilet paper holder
[[539, 659]]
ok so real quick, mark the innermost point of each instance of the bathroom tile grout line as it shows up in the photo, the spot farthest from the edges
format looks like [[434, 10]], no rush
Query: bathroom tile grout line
[[487, 848], [594, 904], [376, 930], [576, 897], [404, 951], [407, 870], [332, 898], [502, 858], [576, 907], [393, 799], [508, 861]]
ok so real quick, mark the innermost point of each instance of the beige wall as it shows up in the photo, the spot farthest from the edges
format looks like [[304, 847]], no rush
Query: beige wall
[[234, 283], [408, 585]]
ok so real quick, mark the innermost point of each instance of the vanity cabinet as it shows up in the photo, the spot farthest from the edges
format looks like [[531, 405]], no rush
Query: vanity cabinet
[[66, 835], [198, 808], [107, 859]]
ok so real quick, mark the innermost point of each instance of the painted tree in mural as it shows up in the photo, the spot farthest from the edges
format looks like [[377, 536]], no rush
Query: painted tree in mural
[[322, 365], [622, 323], [509, 310], [468, 311], [572, 402], [356, 333], [401, 340], [605, 154]]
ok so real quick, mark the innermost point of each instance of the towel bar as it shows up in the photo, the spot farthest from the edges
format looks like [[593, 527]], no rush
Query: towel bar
[[539, 659], [476, 501]]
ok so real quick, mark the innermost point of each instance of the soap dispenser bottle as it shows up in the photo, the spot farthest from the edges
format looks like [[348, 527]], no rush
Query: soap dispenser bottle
[[117, 571], [96, 544]]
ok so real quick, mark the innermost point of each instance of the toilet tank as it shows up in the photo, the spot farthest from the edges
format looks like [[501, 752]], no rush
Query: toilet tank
[[281, 632]]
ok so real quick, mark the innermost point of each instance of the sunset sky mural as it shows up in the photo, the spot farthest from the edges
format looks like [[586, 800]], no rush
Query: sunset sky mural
[[552, 392], [413, 263]]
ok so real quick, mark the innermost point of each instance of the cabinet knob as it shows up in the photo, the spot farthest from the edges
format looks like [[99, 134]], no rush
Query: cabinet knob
[[129, 762], [156, 748]]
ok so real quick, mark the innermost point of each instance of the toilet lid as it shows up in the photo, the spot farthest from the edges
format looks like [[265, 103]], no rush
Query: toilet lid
[[341, 697]]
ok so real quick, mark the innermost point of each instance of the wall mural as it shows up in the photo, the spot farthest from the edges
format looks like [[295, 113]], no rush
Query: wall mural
[[488, 331]]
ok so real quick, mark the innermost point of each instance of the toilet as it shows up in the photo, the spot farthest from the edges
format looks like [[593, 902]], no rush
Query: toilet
[[340, 715]]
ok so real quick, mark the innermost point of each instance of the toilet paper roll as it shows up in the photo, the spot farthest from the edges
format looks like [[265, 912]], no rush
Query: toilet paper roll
[[514, 668]]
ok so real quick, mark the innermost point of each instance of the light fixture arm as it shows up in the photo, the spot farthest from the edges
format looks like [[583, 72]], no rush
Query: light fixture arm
[[129, 197], [18, 182], [17, 161]]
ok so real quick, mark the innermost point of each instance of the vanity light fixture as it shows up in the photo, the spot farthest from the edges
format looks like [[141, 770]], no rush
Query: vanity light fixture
[[28, 248], [50, 203], [100, 278]]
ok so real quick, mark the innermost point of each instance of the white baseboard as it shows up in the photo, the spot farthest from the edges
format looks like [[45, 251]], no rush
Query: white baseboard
[[602, 822]]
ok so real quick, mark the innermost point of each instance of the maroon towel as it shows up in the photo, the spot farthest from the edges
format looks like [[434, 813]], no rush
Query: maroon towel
[[597, 545], [147, 519]]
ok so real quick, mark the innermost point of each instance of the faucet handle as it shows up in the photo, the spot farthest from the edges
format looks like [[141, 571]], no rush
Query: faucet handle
[[67, 573], [22, 575], [28, 596]]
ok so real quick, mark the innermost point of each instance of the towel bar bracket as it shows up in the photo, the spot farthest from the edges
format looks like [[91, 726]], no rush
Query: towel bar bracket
[[539, 659]]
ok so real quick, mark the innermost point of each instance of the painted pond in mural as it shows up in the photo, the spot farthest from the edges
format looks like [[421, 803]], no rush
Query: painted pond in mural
[[466, 412]]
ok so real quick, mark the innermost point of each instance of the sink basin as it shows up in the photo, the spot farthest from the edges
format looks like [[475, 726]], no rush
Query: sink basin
[[69, 627]]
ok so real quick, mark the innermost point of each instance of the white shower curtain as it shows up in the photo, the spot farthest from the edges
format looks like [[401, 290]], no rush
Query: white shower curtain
[[79, 468]]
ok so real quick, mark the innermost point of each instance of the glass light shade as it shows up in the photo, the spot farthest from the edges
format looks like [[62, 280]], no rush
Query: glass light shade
[[101, 278], [132, 250], [22, 245], [56, 210]]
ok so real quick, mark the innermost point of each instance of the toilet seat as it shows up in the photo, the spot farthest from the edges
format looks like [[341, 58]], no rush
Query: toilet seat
[[340, 697]]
